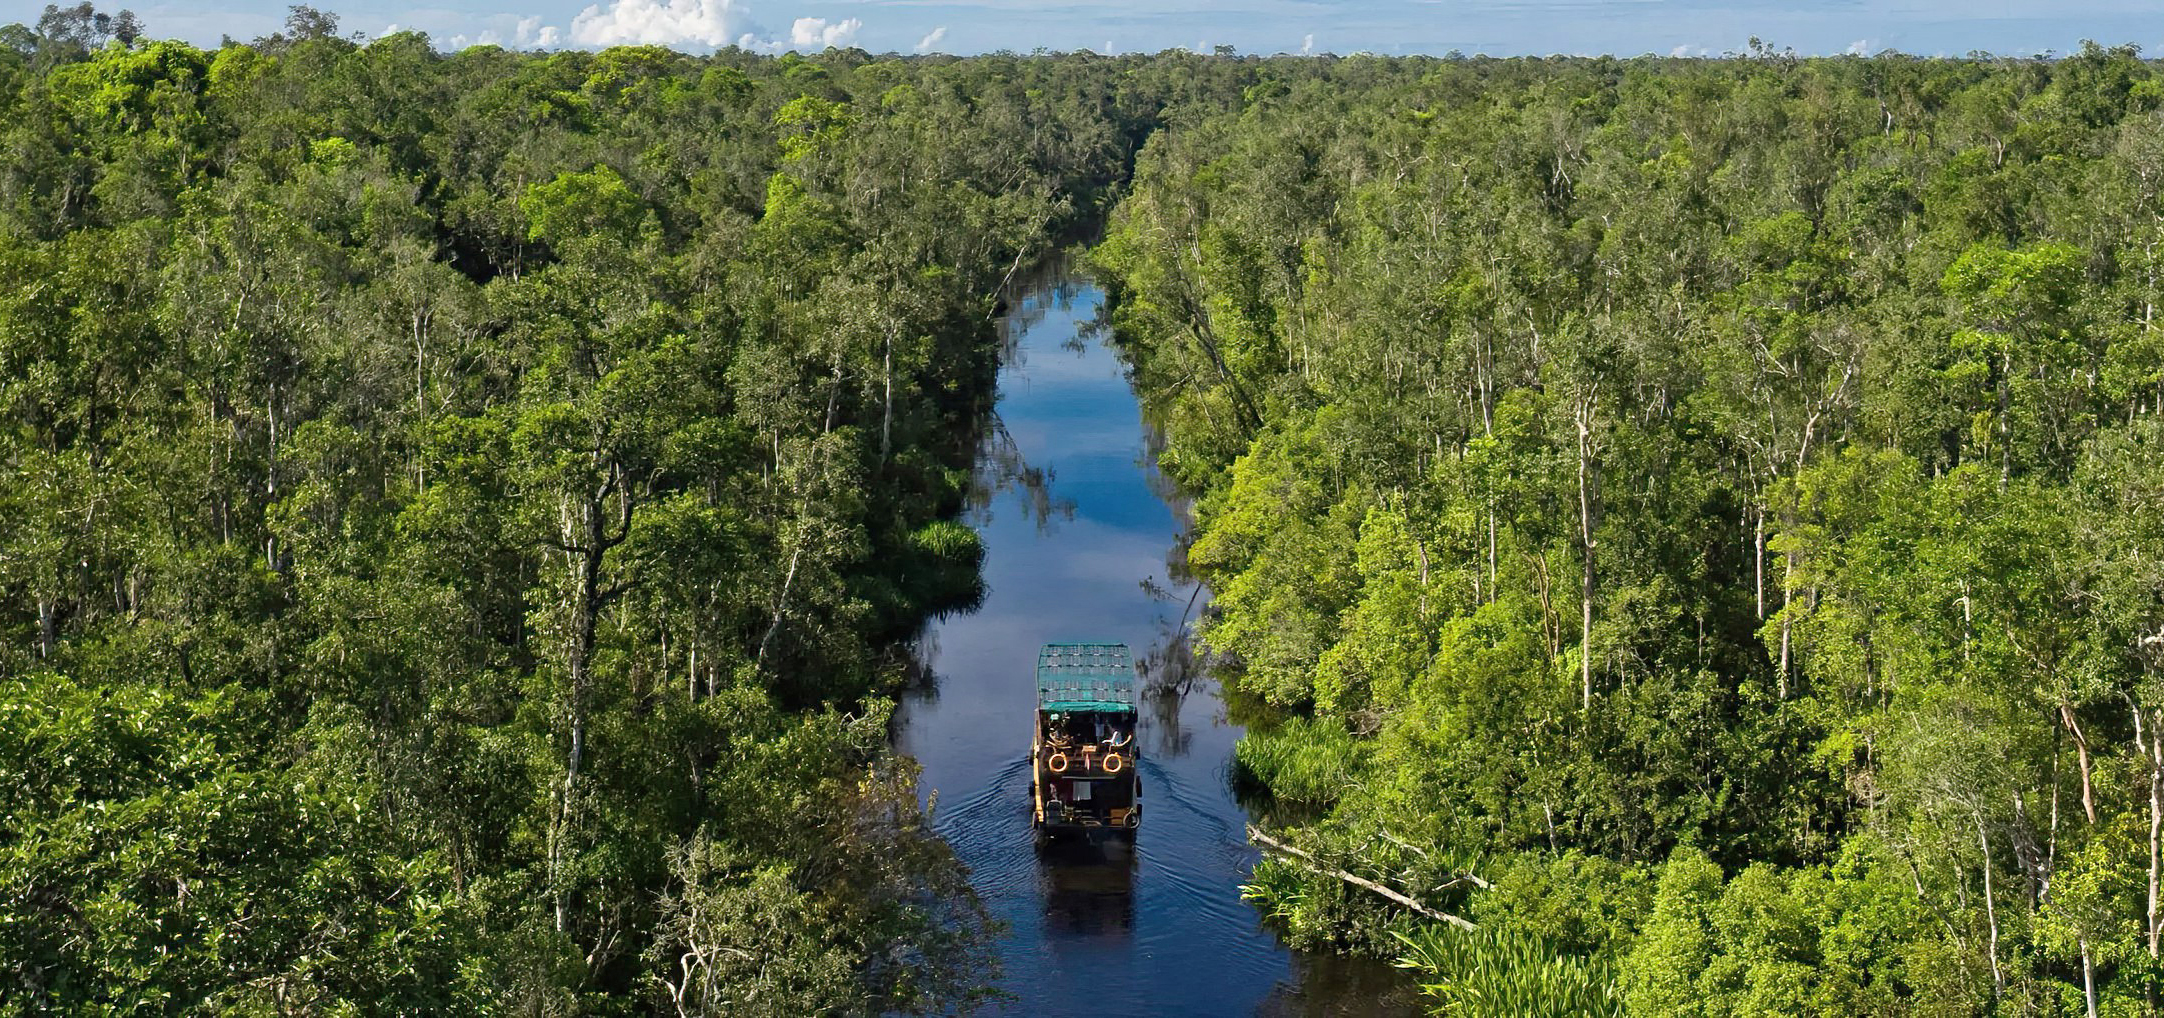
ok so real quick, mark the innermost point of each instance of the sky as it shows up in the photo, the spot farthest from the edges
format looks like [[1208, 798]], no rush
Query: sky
[[1496, 27]]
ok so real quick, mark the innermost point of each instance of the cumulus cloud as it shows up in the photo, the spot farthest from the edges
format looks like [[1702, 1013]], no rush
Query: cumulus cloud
[[816, 33], [691, 23], [1860, 48], [661, 22], [1307, 45], [531, 33], [938, 36]]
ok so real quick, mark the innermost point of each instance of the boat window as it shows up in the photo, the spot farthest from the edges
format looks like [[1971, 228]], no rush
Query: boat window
[[1082, 791]]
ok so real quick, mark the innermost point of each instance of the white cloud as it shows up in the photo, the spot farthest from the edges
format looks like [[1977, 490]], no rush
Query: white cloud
[[815, 33], [388, 31], [1307, 45], [532, 33], [661, 22], [1861, 48], [937, 36]]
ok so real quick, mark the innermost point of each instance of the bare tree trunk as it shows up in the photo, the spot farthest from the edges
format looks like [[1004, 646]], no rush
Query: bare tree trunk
[[2156, 833], [270, 479], [886, 417], [781, 602], [2145, 740], [1758, 557], [1491, 549], [584, 622], [1788, 621], [2081, 753], [2088, 978], [420, 397], [1487, 427], [587, 544], [2006, 438], [1991, 912], [1586, 481]]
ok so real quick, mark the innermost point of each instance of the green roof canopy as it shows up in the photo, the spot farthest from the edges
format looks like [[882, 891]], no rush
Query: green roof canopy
[[1086, 677]]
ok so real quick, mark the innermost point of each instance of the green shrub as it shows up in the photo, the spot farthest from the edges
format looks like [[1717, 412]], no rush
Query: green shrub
[[1304, 760], [1490, 972]]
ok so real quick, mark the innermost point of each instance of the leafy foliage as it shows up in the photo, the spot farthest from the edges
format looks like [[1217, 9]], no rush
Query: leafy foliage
[[460, 514], [1711, 491], [1490, 974]]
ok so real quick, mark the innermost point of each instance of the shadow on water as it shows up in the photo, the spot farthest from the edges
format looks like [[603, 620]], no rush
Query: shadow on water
[[1085, 541]]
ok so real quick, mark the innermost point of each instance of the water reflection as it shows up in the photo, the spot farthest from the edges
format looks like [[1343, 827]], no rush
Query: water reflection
[[1089, 890], [1001, 468]]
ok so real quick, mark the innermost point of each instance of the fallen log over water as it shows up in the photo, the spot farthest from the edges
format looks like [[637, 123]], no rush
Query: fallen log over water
[[1311, 864]]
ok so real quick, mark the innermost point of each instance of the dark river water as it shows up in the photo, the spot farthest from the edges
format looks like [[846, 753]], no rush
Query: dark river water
[[1079, 531]]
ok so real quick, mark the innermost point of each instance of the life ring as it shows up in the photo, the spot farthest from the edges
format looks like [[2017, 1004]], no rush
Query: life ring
[[1113, 763], [1134, 817], [1057, 762]]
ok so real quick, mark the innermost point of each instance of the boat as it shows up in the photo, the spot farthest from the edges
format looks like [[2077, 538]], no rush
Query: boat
[[1084, 778]]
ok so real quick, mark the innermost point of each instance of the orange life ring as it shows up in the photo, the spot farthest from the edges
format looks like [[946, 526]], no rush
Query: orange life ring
[[1113, 763], [1057, 762]]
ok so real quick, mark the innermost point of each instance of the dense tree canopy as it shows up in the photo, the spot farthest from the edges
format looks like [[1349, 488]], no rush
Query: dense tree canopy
[[1713, 503], [461, 512]]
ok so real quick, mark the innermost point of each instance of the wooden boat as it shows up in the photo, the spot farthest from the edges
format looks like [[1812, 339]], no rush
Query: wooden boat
[[1083, 775]]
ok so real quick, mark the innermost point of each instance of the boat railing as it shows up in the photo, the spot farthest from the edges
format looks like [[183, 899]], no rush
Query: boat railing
[[1073, 757]]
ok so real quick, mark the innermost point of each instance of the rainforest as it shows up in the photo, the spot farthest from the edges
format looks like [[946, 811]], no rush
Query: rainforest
[[1684, 536]]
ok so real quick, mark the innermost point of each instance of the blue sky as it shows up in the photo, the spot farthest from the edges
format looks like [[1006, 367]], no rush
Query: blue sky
[[1501, 27]]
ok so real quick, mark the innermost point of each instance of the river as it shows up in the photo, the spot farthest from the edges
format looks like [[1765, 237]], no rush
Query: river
[[1079, 532]]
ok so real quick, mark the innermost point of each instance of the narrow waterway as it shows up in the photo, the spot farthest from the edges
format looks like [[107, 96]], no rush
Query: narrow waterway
[[1079, 530]]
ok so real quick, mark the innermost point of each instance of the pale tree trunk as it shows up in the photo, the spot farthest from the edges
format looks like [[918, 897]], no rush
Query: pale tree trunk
[[2088, 978], [1587, 480], [1991, 912], [2006, 437], [270, 479], [586, 542], [2156, 831], [2152, 751], [886, 416], [2081, 753], [1788, 620], [781, 599], [1487, 427], [2155, 754], [1758, 557], [781, 604], [420, 393]]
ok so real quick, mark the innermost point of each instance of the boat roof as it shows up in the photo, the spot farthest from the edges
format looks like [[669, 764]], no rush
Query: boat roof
[[1086, 677]]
